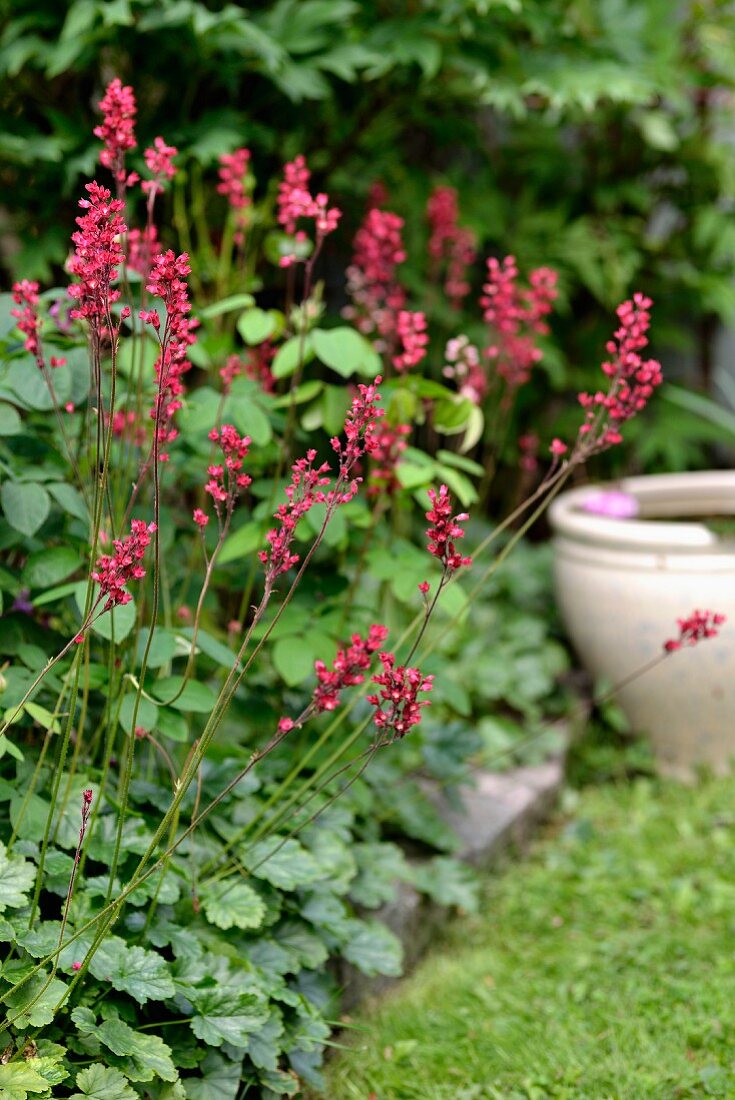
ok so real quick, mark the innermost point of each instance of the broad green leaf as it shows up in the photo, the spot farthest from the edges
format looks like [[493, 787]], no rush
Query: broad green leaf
[[248, 417], [449, 458], [304, 393], [374, 949], [17, 876], [133, 970], [10, 422], [70, 500], [18, 1079], [296, 350], [146, 716], [214, 649], [232, 904], [293, 659], [172, 724], [42, 716], [195, 696], [242, 543], [452, 415], [226, 305], [380, 866], [26, 505], [49, 567], [285, 864], [220, 1079], [162, 648], [145, 1056], [449, 882], [346, 351], [98, 1082], [256, 325], [224, 1015], [117, 622], [29, 384], [33, 1005]]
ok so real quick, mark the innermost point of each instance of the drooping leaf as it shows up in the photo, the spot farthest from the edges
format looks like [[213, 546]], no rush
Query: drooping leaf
[[17, 875], [26, 505], [98, 1082], [50, 566], [233, 905], [145, 1056], [346, 351]]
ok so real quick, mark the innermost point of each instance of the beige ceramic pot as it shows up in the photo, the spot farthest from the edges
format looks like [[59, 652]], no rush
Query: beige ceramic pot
[[622, 584]]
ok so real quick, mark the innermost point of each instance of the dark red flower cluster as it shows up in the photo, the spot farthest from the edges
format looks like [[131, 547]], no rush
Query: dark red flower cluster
[[390, 443], [117, 130], [397, 706], [167, 281], [528, 446], [412, 339], [97, 256], [444, 529], [698, 626], [349, 668], [295, 202], [632, 381], [226, 480], [464, 365], [114, 572], [125, 425], [143, 247], [256, 365], [306, 490], [159, 162], [449, 243], [372, 285], [361, 424], [25, 296], [516, 316]]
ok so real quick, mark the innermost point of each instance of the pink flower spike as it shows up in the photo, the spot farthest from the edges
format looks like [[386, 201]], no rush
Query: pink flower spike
[[97, 256], [348, 668], [117, 130], [372, 284], [114, 572], [444, 530], [450, 245], [159, 162], [397, 706], [200, 518], [698, 626], [413, 339]]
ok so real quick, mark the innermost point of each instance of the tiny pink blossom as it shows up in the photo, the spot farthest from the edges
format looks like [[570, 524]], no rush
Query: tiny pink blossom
[[444, 530], [698, 626]]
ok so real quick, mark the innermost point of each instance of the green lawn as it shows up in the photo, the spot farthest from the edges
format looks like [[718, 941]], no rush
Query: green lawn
[[602, 966]]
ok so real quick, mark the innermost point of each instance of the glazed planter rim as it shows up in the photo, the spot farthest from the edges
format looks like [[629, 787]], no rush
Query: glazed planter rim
[[707, 492]]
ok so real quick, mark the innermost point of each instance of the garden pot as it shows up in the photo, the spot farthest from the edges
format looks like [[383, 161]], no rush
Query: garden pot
[[621, 585]]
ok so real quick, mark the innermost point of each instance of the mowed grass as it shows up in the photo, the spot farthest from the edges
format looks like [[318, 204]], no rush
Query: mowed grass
[[601, 966]]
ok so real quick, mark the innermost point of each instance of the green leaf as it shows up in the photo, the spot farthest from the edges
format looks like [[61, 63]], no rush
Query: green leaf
[[226, 305], [17, 875], [224, 1015], [220, 1079], [172, 724], [18, 1079], [449, 882], [256, 325], [285, 864], [70, 500], [293, 659], [232, 904], [147, 714], [133, 970], [195, 697], [145, 1056], [346, 351], [26, 505], [216, 650], [99, 1082], [374, 949], [287, 357], [241, 543], [32, 389], [452, 414], [50, 566], [117, 622], [162, 648], [248, 417], [33, 1005], [10, 422]]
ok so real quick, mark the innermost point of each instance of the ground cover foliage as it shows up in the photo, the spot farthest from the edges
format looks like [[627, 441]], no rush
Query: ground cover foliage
[[584, 973]]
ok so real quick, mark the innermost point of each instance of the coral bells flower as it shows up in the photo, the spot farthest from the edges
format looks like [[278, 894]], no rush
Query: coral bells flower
[[295, 202], [372, 285], [143, 247], [632, 381], [200, 518], [234, 184], [305, 490], [699, 625], [256, 365], [444, 529], [361, 433], [390, 443], [449, 243], [226, 481], [117, 129], [515, 316], [25, 296], [464, 365], [159, 162], [97, 256], [412, 339], [348, 668], [397, 706], [114, 572], [167, 281]]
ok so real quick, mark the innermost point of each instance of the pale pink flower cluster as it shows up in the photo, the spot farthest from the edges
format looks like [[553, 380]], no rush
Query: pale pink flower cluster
[[296, 203], [464, 366]]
